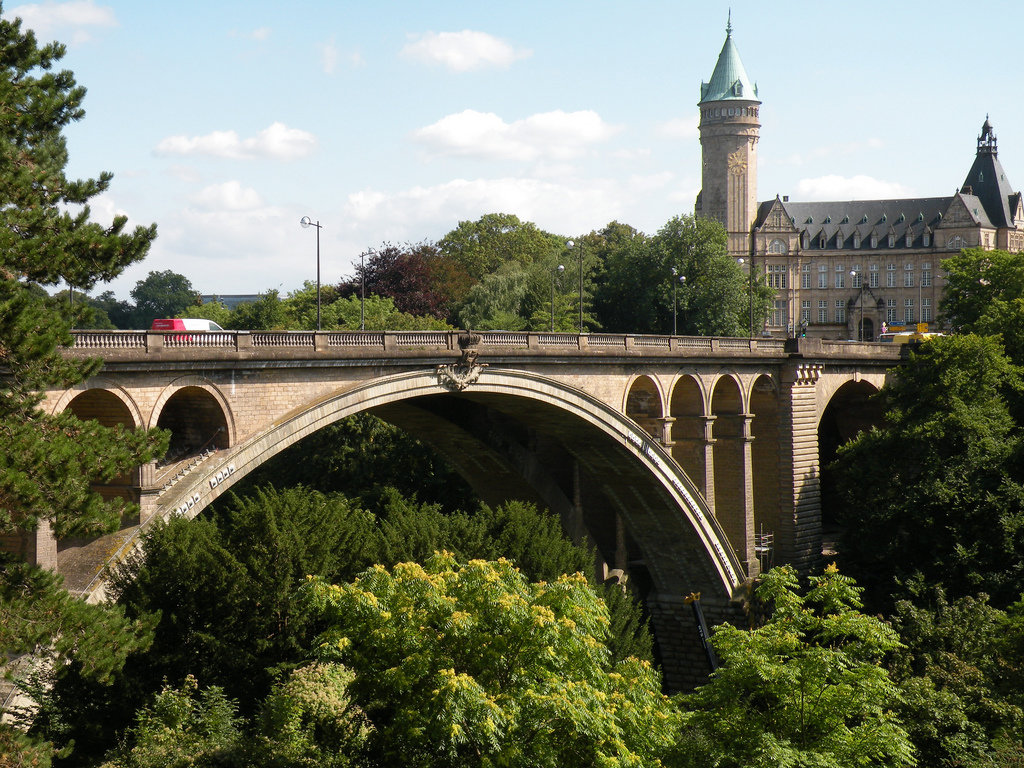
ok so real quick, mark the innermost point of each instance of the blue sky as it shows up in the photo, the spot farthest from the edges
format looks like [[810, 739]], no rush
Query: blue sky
[[225, 122]]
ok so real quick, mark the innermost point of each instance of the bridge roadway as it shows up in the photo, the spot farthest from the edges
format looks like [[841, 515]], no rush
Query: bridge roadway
[[689, 463]]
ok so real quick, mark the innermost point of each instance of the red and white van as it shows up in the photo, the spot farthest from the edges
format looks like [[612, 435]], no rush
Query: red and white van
[[184, 324]]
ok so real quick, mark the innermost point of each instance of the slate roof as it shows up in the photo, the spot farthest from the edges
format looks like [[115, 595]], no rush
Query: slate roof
[[729, 81], [987, 180]]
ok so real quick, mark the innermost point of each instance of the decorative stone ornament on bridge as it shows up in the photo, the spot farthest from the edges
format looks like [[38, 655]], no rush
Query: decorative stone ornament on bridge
[[676, 458]]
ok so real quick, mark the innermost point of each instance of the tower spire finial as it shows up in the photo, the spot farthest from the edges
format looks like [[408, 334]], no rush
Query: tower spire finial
[[728, 24]]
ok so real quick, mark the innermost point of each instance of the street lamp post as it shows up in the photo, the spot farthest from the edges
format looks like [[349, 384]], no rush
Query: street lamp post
[[307, 222], [362, 291], [554, 275], [570, 244], [858, 278], [750, 295], [675, 284]]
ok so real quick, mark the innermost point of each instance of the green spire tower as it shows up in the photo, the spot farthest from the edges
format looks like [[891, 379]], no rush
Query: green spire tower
[[729, 130]]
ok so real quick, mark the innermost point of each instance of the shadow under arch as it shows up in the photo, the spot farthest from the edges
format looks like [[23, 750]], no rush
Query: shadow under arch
[[852, 408]]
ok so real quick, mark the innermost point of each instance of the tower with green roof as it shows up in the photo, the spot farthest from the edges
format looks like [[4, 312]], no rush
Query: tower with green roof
[[729, 130]]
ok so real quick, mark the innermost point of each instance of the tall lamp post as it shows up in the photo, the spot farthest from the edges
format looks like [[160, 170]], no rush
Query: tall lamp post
[[675, 284], [750, 294], [362, 291], [856, 277], [554, 275], [307, 222], [570, 244]]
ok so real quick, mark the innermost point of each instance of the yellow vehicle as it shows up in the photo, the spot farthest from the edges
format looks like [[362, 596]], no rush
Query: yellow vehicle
[[905, 337]]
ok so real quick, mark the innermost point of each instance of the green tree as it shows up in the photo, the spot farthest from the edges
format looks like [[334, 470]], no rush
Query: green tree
[[483, 246], [47, 463], [804, 689], [471, 664], [161, 294], [183, 728], [960, 668], [210, 310], [945, 503]]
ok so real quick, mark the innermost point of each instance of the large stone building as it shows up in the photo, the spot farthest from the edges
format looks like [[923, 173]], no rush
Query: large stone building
[[842, 269]]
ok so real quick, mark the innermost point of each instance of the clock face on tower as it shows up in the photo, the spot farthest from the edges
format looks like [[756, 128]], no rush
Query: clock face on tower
[[737, 162]]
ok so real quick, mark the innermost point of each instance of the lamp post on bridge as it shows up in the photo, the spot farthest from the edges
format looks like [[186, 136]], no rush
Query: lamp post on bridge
[[858, 278], [554, 276], [675, 284], [570, 244], [750, 294], [307, 222]]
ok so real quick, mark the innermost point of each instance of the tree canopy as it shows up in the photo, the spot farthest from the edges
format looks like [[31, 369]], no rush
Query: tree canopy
[[48, 462]]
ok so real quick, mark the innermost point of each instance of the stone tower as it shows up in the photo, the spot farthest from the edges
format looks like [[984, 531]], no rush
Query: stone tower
[[728, 135]]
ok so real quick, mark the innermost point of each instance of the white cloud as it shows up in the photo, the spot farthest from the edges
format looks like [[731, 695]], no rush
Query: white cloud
[[834, 187], [329, 57], [828, 153], [278, 141], [228, 196], [679, 128], [463, 51], [71, 19], [558, 135], [259, 34]]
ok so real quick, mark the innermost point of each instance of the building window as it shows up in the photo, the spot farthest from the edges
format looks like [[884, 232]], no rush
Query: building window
[[926, 275], [856, 240], [822, 241], [822, 311], [873, 276], [777, 275], [840, 311], [823, 275], [805, 311], [778, 316], [926, 239], [926, 310], [956, 242], [892, 240], [874, 241], [890, 311], [805, 276], [908, 275], [857, 277], [807, 240], [840, 276], [910, 239], [908, 311], [890, 275], [776, 246]]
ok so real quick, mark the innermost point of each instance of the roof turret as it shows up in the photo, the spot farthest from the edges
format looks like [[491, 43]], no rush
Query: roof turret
[[987, 179], [729, 81]]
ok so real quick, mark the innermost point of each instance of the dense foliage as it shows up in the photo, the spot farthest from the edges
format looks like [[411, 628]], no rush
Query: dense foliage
[[803, 689]]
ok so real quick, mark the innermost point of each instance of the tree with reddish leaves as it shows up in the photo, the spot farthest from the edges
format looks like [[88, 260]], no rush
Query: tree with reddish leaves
[[416, 277]]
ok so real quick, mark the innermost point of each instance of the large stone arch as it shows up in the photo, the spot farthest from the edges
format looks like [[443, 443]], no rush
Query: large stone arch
[[644, 403], [677, 540], [851, 408]]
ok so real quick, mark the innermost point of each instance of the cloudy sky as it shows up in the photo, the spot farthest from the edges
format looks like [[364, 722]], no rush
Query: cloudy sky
[[227, 121]]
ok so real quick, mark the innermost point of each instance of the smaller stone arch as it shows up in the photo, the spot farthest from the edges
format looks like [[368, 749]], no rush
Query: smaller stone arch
[[197, 416], [691, 441], [112, 389], [200, 383], [733, 490], [644, 405], [766, 468]]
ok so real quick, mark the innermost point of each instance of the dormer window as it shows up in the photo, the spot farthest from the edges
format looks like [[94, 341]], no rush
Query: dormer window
[[874, 241], [926, 240], [892, 240], [909, 240], [806, 240], [821, 240], [856, 240]]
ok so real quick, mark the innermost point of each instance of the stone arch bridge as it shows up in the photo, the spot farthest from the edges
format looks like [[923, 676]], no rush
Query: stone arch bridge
[[689, 463]]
